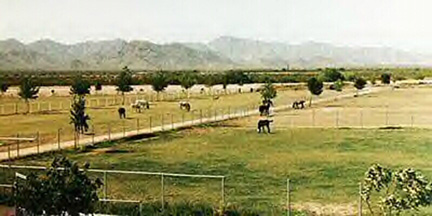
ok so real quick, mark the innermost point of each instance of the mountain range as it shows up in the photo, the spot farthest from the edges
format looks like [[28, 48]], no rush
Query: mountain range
[[221, 53]]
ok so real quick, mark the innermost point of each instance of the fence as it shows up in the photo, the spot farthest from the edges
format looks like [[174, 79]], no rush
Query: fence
[[64, 103], [107, 198], [66, 137]]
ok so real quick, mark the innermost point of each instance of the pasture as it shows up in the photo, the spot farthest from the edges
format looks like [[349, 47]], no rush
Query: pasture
[[324, 163], [103, 118]]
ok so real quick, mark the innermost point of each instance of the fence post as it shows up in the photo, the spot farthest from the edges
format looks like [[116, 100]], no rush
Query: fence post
[[58, 139], [288, 198], [16, 108], [183, 119], [150, 123], [9, 153], [162, 192], [49, 106], [361, 118], [172, 121], [360, 210], [38, 107], [229, 112], [201, 116], [223, 191], [412, 121], [105, 185], [109, 132], [137, 125], [124, 129], [215, 113], [337, 118], [162, 122], [2, 110], [93, 134], [386, 116], [38, 141], [18, 145]]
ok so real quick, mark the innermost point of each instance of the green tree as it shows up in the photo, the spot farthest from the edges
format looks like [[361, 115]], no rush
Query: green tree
[[98, 86], [3, 87], [268, 92], [124, 82], [78, 115], [385, 78], [80, 86], [315, 87], [159, 82], [359, 84], [187, 81], [28, 91], [397, 191], [63, 189], [338, 85], [332, 75]]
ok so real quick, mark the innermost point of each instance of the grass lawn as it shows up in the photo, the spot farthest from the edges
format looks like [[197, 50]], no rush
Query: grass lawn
[[324, 165]]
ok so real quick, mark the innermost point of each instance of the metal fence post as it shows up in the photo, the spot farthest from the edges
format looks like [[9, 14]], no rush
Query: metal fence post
[[337, 118], [172, 121], [150, 123], [38, 141], [288, 198], [109, 132], [223, 191], [360, 210], [18, 145], [162, 122], [105, 185], [162, 192], [58, 139]]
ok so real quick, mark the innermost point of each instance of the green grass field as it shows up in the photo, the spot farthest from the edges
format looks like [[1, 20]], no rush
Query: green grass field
[[325, 165]]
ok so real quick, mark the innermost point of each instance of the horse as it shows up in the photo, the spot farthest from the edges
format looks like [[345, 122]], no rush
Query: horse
[[299, 104], [185, 105], [262, 124], [122, 112], [264, 109], [140, 104]]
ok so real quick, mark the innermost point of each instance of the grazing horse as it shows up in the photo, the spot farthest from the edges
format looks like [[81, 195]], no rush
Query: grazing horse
[[299, 104], [122, 112], [262, 124], [264, 109], [185, 105], [140, 104]]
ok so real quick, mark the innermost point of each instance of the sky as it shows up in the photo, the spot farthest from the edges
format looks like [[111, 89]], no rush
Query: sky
[[403, 24]]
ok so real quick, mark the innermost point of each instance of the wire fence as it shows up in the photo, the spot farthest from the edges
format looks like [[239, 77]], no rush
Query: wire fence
[[48, 104], [24, 144]]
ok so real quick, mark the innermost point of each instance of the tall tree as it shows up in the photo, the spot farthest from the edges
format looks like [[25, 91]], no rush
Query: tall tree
[[80, 86], [124, 82], [159, 82], [315, 87], [187, 81], [359, 84], [28, 90], [63, 189], [385, 78], [78, 115], [268, 92]]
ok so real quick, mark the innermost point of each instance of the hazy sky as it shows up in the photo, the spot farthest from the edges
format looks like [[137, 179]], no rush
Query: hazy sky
[[404, 24]]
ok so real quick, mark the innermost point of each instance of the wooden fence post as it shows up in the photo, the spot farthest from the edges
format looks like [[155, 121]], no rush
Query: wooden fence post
[[137, 125], [288, 198], [172, 121], [109, 132], [201, 116], [38, 142], [162, 122]]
